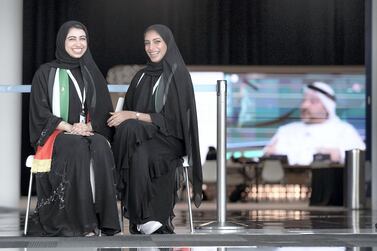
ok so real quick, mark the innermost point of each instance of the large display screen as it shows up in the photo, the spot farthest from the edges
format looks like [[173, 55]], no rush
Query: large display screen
[[258, 103]]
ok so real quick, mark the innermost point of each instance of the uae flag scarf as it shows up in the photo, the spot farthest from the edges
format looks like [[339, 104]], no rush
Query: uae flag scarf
[[60, 108]]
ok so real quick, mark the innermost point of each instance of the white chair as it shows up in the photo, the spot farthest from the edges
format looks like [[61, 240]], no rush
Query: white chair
[[28, 163]]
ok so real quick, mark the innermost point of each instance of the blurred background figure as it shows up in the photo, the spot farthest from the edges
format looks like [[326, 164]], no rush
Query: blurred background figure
[[320, 130]]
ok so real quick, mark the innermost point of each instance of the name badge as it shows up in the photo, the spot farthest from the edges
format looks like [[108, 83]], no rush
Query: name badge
[[82, 117]]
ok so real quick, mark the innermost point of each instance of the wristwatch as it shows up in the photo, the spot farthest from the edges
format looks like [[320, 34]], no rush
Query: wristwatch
[[137, 115]]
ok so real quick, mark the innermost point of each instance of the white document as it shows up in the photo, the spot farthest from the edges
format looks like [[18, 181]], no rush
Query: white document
[[120, 103]]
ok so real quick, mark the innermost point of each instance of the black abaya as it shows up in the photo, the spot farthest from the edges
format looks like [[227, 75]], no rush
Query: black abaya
[[146, 158], [149, 172], [65, 204]]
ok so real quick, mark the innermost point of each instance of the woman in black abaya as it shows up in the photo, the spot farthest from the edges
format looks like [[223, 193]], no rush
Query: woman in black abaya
[[74, 165], [157, 127]]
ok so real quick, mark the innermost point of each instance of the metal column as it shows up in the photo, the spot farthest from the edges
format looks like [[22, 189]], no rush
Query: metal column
[[221, 223]]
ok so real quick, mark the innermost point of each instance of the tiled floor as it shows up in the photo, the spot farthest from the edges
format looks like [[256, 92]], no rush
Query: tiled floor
[[269, 226]]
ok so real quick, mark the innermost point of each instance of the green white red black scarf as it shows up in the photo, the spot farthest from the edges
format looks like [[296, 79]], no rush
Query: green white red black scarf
[[60, 108]]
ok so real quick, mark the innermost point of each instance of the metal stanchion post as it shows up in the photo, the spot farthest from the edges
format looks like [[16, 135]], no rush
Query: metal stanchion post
[[221, 223], [355, 193]]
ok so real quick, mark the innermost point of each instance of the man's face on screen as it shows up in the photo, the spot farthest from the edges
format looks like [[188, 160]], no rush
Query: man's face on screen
[[312, 109]]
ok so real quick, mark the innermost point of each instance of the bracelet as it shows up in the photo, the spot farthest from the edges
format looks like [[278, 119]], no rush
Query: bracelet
[[137, 116]]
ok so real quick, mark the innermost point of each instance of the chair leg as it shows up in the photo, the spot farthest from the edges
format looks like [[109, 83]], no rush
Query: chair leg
[[28, 203], [189, 199], [121, 217], [92, 180]]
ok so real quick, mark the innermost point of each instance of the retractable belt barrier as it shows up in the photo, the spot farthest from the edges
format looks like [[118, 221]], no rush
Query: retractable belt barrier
[[112, 88]]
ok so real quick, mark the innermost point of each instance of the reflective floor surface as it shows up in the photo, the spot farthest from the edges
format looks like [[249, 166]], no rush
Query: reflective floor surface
[[267, 226]]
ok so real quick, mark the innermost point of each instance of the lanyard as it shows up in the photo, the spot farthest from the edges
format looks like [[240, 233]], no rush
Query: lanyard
[[82, 97]]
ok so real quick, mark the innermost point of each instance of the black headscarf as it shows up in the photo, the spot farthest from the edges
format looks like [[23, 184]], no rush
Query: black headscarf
[[63, 59], [98, 98], [175, 72]]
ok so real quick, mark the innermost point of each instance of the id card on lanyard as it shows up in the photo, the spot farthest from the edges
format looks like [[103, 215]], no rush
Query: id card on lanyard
[[82, 97]]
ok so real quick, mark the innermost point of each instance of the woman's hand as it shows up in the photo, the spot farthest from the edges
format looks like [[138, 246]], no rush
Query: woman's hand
[[77, 128], [81, 129], [118, 117]]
